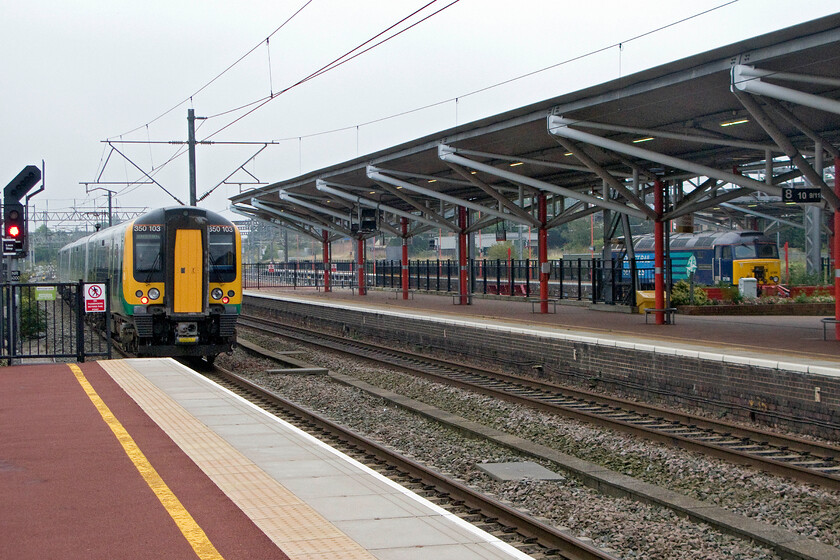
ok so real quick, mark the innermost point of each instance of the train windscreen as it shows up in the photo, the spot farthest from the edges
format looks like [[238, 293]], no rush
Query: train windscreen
[[756, 251], [148, 256], [222, 256]]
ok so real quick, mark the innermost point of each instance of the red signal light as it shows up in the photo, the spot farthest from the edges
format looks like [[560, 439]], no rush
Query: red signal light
[[14, 231]]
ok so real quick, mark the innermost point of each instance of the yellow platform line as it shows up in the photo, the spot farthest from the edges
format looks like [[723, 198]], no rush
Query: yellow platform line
[[194, 534], [297, 529]]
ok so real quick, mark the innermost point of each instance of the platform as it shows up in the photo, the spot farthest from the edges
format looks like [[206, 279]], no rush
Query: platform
[[774, 370], [145, 458], [779, 338]]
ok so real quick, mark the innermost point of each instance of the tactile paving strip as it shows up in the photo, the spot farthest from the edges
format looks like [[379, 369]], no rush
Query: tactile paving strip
[[290, 523]]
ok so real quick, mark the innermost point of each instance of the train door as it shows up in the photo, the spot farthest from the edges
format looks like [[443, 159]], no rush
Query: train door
[[188, 272]]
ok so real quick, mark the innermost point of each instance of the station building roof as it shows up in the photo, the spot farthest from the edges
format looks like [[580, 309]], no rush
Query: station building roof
[[725, 130]]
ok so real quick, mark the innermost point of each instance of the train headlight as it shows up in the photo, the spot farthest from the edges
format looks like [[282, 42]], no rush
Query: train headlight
[[139, 293], [216, 293], [775, 279], [154, 293]]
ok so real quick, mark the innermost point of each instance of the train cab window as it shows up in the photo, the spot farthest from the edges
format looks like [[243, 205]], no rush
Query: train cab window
[[726, 252], [767, 250], [148, 257], [222, 256]]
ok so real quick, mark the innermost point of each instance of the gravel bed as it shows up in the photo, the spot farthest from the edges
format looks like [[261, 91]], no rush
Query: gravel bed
[[808, 510], [635, 530]]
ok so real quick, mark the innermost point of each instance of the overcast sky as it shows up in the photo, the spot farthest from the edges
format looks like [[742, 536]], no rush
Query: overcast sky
[[76, 73]]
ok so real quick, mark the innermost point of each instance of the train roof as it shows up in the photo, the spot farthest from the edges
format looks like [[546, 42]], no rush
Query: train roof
[[157, 216], [703, 240], [160, 215]]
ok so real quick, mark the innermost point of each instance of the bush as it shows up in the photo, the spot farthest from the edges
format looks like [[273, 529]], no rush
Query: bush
[[681, 294], [33, 318]]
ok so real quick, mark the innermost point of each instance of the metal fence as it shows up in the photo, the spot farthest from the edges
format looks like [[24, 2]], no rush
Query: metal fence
[[51, 321], [591, 279]]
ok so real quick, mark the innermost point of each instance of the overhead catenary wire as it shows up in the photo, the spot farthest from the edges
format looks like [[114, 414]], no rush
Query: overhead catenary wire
[[220, 74], [348, 56]]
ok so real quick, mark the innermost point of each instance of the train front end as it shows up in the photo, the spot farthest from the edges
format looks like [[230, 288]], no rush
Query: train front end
[[185, 284]]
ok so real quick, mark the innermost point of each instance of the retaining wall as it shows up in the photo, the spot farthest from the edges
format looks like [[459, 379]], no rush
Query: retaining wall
[[770, 393]]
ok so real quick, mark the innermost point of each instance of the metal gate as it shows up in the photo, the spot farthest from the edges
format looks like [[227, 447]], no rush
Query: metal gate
[[50, 321]]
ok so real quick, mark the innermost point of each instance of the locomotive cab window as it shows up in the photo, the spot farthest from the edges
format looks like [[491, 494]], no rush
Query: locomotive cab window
[[767, 251], [222, 256], [148, 257]]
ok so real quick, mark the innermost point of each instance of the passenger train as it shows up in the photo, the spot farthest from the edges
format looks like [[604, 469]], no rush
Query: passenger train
[[176, 277], [716, 257]]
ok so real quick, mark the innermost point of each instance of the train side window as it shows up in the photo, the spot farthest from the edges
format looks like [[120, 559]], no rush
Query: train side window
[[148, 257], [726, 252], [222, 256]]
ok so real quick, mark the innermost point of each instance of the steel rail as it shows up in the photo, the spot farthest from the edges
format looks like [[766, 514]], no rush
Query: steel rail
[[744, 446], [494, 510]]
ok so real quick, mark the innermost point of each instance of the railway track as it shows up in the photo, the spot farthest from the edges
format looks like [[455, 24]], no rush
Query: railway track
[[505, 522], [797, 458]]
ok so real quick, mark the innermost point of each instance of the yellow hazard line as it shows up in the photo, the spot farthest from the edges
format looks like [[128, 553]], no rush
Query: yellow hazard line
[[186, 524]]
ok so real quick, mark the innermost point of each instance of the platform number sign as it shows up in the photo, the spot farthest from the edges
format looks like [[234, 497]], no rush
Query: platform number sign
[[802, 195], [94, 298]]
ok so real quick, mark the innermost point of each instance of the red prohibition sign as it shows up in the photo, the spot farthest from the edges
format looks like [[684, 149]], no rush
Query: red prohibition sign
[[94, 291]]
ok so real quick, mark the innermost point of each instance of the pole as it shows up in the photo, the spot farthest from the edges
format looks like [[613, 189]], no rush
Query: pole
[[326, 241], [836, 249], [542, 217], [462, 254], [404, 227], [191, 143], [360, 261], [659, 252]]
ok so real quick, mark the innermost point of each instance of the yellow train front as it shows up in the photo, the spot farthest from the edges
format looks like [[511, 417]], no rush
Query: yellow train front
[[177, 278]]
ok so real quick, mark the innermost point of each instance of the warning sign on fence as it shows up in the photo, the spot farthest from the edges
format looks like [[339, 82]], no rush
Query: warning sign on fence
[[94, 298]]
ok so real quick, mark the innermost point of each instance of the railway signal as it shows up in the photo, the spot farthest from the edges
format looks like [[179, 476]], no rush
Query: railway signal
[[14, 217]]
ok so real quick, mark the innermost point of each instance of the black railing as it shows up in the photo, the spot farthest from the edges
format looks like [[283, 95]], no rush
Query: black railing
[[58, 320], [577, 278]]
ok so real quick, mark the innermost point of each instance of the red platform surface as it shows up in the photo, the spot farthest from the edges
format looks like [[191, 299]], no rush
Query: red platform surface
[[68, 489]]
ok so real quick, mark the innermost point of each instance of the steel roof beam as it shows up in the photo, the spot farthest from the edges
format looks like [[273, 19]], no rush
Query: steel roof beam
[[807, 130], [379, 175], [762, 215], [697, 138], [440, 221], [748, 79], [289, 216], [449, 154], [291, 224], [334, 189], [312, 206], [605, 175], [503, 201], [560, 126], [764, 120]]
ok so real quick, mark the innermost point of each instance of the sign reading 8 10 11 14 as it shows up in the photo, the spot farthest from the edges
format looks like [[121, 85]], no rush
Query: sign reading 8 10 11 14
[[802, 195]]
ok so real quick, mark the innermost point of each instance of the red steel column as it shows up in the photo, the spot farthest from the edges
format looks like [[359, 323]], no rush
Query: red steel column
[[659, 251], [404, 224], [462, 254], [836, 250], [542, 243], [326, 243], [360, 265]]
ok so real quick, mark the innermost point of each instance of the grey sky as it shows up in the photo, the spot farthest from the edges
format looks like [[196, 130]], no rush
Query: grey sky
[[76, 73]]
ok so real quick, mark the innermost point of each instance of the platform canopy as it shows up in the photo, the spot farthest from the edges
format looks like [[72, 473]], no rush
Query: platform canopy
[[725, 130]]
